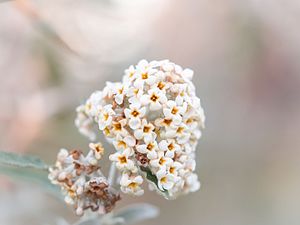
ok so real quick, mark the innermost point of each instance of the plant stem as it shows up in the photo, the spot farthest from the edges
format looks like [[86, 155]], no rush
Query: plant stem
[[112, 174]]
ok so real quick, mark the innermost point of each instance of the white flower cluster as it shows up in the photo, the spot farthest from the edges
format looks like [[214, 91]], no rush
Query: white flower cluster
[[153, 118], [82, 182]]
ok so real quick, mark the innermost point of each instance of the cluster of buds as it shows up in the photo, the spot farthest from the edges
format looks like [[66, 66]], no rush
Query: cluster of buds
[[154, 119], [82, 181]]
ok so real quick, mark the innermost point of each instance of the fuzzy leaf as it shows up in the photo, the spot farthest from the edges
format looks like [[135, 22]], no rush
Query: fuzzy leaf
[[24, 161], [37, 177], [151, 177]]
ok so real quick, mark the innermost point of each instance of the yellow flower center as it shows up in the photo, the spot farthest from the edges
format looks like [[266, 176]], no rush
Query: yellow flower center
[[105, 116], [133, 185], [122, 144], [106, 131], [161, 85], [162, 161], [190, 120], [88, 106], [180, 130], [72, 193], [121, 90], [145, 76], [163, 180]]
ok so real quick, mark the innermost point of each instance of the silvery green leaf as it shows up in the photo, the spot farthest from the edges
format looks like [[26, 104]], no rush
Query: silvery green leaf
[[26, 161], [89, 221], [151, 177], [138, 212], [39, 177], [108, 219]]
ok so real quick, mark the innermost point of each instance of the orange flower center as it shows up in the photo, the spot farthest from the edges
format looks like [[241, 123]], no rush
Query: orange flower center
[[168, 122], [172, 170], [146, 129], [174, 111], [135, 113], [162, 161], [150, 146], [154, 98], [122, 159], [118, 126], [171, 147], [161, 85]]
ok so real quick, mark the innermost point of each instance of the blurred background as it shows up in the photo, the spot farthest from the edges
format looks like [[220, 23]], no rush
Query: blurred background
[[245, 54]]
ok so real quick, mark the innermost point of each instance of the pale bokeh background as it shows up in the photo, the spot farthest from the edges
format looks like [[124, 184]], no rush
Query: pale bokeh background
[[245, 55]]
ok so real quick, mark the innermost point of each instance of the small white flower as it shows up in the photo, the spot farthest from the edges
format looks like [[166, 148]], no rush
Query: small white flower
[[134, 114], [182, 95], [174, 168], [145, 132], [92, 104], [165, 181], [97, 149], [150, 148], [145, 74], [105, 116], [118, 128], [156, 98], [84, 123], [120, 90], [168, 67], [170, 147], [134, 95], [131, 184], [109, 90], [122, 143], [191, 121], [167, 123], [162, 85], [161, 161], [174, 111], [180, 133], [123, 161], [129, 74]]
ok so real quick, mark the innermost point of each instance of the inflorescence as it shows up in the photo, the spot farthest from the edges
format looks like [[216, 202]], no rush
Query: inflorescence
[[153, 118], [82, 181]]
